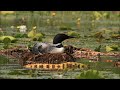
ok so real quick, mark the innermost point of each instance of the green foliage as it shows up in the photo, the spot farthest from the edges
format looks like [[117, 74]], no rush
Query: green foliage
[[115, 47], [98, 48], [32, 73], [32, 33], [13, 39], [37, 39], [30, 46], [112, 48], [108, 49], [20, 35], [98, 35], [65, 28], [6, 42], [97, 15], [3, 59], [116, 70], [39, 35], [73, 33], [106, 15], [43, 35], [90, 74], [21, 72], [17, 72], [36, 36]]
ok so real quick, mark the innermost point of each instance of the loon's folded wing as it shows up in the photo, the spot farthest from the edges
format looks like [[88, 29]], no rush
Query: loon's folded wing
[[40, 48], [34, 49]]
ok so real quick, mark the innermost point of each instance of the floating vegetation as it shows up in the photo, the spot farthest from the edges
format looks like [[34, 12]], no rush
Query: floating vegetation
[[21, 35], [13, 39], [90, 74], [112, 48], [3, 59], [65, 28], [74, 33], [6, 42], [98, 48], [35, 36], [21, 72]]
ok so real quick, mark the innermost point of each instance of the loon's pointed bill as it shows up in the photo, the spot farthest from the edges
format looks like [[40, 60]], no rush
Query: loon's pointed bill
[[56, 47]]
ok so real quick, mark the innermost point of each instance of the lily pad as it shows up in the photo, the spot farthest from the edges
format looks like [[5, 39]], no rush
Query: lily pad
[[13, 39]]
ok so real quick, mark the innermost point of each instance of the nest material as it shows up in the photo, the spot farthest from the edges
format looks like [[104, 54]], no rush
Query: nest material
[[70, 49], [26, 57], [55, 58]]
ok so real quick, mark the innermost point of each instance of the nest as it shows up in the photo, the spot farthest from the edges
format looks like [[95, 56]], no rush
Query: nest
[[70, 55], [26, 57], [48, 58]]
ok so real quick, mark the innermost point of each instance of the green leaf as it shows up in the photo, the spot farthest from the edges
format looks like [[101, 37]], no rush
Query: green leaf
[[98, 48], [115, 47], [108, 48], [31, 34], [11, 38], [6, 40]]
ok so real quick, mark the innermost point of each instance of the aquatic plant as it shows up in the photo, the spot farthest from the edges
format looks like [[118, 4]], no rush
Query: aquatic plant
[[112, 48], [6, 42], [21, 35], [65, 28], [99, 36], [97, 15], [98, 49], [106, 15], [73, 33], [35, 36], [3, 59], [13, 39], [15, 72], [32, 33], [90, 74]]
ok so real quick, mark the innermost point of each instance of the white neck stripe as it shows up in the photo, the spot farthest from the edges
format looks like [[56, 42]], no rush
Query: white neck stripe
[[56, 44]]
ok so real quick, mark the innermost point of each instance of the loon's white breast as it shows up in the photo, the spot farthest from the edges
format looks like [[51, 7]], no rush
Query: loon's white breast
[[57, 50], [51, 48]]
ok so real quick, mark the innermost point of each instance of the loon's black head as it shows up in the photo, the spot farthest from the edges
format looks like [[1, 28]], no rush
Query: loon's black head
[[61, 37]]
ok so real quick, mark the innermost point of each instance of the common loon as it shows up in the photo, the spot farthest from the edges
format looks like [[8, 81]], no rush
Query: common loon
[[56, 47]]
